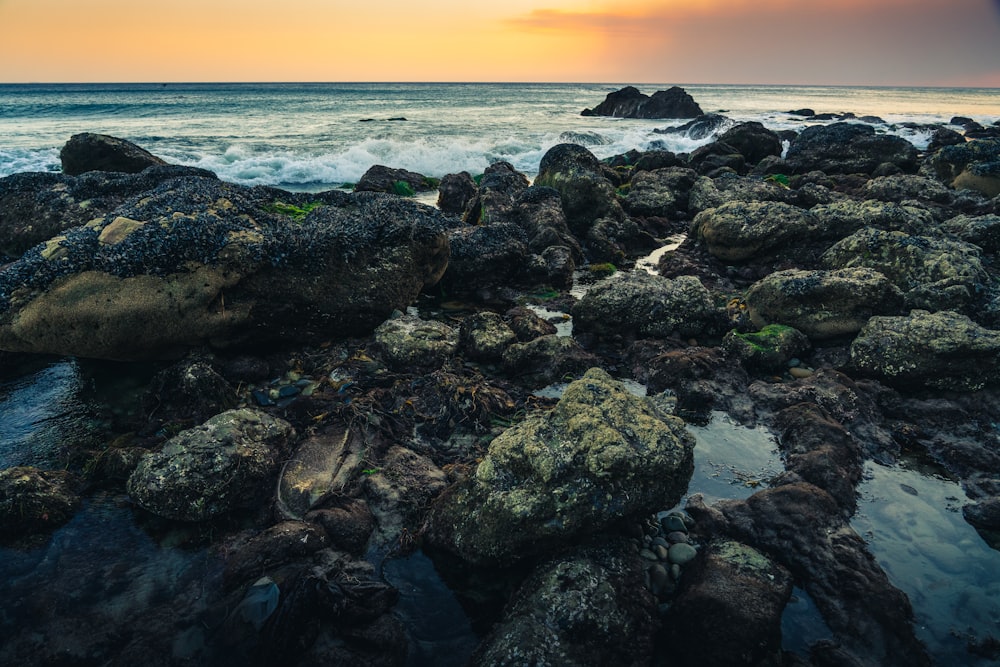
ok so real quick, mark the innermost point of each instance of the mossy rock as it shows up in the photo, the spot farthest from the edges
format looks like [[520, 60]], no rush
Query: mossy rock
[[769, 349]]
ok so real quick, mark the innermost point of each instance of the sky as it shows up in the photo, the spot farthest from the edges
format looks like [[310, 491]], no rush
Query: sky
[[818, 42]]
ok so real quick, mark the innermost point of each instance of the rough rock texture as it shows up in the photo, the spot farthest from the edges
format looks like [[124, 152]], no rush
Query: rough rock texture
[[740, 231], [200, 262], [455, 191], [753, 141], [842, 218], [407, 341], [484, 336], [943, 350], [848, 148], [587, 195], [731, 597], [962, 165], [660, 192], [902, 187], [547, 359], [822, 304], [983, 230], [100, 152], [380, 178], [628, 102], [33, 500], [493, 202], [644, 305], [769, 349], [586, 608], [934, 274], [600, 455], [227, 463], [37, 206]]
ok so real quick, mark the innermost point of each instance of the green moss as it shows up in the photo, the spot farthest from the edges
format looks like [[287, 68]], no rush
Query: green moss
[[431, 183], [623, 190], [403, 189], [602, 270], [291, 210], [769, 338], [778, 179]]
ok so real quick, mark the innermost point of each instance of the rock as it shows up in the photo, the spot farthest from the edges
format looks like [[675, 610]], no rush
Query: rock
[[753, 141], [660, 192], [822, 304], [709, 193], [398, 494], [227, 463], [840, 219], [731, 599], [903, 187], [848, 148], [739, 231], [630, 103], [701, 378], [766, 350], [401, 182], [587, 608], [349, 524], [406, 342], [500, 185], [36, 501], [984, 514], [277, 545], [527, 324], [933, 274], [643, 305], [602, 454], [944, 136], [586, 194], [100, 152], [538, 211], [455, 191], [983, 230], [35, 207], [199, 262], [188, 391], [321, 468], [966, 165], [485, 336], [717, 158], [943, 350], [547, 359], [703, 126]]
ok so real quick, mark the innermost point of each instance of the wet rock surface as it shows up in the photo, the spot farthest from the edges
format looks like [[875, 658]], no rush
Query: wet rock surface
[[311, 441]]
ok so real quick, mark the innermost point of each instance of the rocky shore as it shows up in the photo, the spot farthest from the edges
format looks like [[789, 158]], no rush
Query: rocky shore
[[348, 378]]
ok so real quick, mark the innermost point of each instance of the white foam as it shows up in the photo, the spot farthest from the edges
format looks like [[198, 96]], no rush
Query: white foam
[[17, 160]]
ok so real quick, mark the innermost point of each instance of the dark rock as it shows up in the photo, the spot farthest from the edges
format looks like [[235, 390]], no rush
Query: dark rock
[[538, 211], [485, 336], [943, 350], [188, 391], [731, 598], [100, 152], [561, 475], [753, 141], [279, 544], [701, 127], [399, 494], [848, 148], [769, 349], [227, 463], [983, 231], [200, 262], [630, 103], [484, 258], [587, 608], [822, 304], [455, 191], [956, 165], [984, 514], [500, 185], [547, 359], [904, 187], [657, 159], [36, 501], [528, 325], [643, 305], [660, 192], [839, 219], [713, 157], [577, 175], [943, 136], [349, 524], [801, 112], [702, 379], [739, 231], [407, 341], [380, 178]]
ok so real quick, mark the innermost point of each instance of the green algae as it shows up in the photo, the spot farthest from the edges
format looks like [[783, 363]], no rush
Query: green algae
[[291, 210]]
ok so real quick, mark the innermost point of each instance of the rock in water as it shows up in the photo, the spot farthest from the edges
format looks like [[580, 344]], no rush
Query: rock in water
[[630, 103], [198, 261], [100, 152], [600, 455]]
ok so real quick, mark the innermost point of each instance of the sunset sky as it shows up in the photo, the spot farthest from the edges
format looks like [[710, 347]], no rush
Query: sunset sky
[[851, 42]]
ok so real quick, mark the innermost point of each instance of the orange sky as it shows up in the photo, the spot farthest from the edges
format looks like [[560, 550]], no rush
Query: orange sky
[[878, 42]]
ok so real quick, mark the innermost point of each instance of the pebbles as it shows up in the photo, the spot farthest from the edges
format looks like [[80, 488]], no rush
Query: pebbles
[[666, 548]]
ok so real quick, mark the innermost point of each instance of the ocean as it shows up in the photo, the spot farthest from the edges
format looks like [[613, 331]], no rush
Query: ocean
[[318, 136]]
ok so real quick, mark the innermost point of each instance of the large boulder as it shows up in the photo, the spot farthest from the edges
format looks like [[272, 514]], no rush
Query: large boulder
[[822, 304], [848, 148], [406, 341], [500, 185], [228, 463], [842, 218], [403, 182], [739, 231], [600, 455], [973, 165], [198, 261], [660, 192], [754, 141], [943, 350], [35, 206], [630, 103], [640, 304], [547, 359], [588, 608], [455, 191], [934, 274], [34, 500], [100, 152], [587, 195]]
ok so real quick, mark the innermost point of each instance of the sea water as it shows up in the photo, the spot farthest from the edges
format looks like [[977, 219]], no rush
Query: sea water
[[320, 136]]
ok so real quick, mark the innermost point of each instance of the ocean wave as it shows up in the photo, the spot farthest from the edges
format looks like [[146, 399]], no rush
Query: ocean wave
[[17, 160]]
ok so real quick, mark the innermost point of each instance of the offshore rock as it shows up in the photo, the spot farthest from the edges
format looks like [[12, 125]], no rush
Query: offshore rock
[[197, 262], [100, 152], [227, 463], [600, 455], [630, 103], [848, 148], [822, 304], [943, 350], [731, 598], [699, 128], [934, 274], [585, 608], [35, 206], [34, 500], [644, 305]]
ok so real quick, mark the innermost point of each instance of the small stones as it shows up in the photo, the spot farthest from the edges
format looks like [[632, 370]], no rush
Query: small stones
[[681, 553], [665, 547]]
